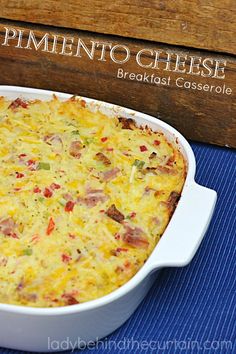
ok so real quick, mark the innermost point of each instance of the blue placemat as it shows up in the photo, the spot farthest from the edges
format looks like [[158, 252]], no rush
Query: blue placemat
[[193, 309]]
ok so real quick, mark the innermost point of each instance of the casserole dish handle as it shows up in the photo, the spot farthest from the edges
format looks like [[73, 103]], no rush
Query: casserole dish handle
[[186, 229]]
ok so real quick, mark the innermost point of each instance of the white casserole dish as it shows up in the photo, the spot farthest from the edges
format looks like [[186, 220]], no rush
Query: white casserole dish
[[35, 329]]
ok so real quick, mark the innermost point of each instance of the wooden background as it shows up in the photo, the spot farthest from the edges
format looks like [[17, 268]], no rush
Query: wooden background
[[205, 24], [201, 116]]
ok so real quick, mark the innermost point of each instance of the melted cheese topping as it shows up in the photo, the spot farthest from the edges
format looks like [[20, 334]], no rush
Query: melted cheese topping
[[83, 200]]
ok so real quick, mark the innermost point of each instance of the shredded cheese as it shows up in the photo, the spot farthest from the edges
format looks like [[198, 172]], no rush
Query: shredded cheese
[[84, 199]]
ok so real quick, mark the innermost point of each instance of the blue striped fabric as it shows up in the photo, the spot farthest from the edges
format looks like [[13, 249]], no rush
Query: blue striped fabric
[[193, 309]]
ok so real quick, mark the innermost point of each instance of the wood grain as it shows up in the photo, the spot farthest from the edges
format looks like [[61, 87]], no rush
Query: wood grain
[[201, 116], [201, 24]]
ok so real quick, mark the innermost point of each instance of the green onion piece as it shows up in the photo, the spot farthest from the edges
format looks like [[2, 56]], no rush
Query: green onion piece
[[75, 132], [27, 252], [41, 199], [62, 202], [88, 140], [43, 166], [139, 163]]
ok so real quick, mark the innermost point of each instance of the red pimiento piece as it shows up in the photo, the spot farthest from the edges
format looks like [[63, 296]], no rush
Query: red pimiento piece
[[13, 235], [69, 206], [18, 103], [35, 238], [32, 165], [30, 162], [156, 142], [54, 186], [51, 226], [19, 175], [127, 264], [121, 249], [21, 156], [47, 193], [37, 190], [143, 148], [133, 214], [66, 258], [104, 139]]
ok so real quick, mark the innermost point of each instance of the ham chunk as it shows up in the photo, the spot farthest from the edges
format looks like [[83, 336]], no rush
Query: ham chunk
[[115, 214], [93, 197], [134, 236], [75, 149], [127, 123], [55, 141], [166, 170], [110, 174], [70, 299], [172, 201], [7, 227], [101, 157], [153, 155]]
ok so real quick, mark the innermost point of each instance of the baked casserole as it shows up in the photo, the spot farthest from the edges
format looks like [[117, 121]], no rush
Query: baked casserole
[[84, 199]]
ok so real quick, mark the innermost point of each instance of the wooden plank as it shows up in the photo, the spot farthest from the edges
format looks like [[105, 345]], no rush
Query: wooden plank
[[200, 24], [200, 115]]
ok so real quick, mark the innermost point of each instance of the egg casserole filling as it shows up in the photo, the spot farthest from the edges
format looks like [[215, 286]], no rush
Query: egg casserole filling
[[84, 199]]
